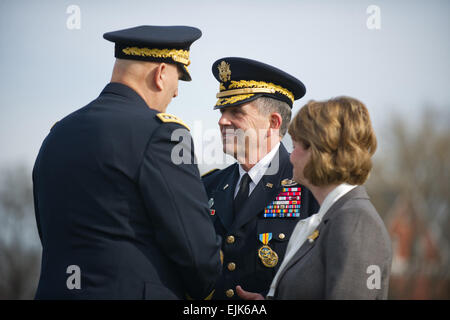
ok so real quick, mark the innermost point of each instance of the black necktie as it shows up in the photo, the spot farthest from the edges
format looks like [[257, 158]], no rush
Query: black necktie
[[242, 194]]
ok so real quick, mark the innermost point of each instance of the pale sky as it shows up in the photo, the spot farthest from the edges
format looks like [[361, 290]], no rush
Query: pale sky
[[49, 71]]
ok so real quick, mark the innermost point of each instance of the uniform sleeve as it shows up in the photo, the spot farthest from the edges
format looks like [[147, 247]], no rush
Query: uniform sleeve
[[35, 199], [357, 257], [176, 203]]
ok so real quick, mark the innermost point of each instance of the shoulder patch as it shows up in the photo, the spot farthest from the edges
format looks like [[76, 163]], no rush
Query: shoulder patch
[[209, 172], [165, 117]]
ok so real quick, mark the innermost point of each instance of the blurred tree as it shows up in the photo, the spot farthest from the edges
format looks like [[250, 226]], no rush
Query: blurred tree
[[20, 251], [411, 179]]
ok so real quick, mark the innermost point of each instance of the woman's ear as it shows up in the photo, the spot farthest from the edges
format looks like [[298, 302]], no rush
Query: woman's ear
[[159, 76]]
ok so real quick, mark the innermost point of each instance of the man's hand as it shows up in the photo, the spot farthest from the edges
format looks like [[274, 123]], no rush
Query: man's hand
[[248, 295]]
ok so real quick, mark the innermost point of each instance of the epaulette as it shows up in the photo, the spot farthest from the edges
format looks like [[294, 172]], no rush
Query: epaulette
[[165, 117], [53, 125], [209, 172]]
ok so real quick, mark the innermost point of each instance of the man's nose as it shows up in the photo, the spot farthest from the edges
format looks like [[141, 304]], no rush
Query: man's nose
[[224, 120]]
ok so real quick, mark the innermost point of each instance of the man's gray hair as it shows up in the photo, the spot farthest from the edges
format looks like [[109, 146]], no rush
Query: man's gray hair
[[267, 105]]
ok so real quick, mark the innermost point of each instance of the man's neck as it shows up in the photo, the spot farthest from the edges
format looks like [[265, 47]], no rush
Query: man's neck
[[132, 85]]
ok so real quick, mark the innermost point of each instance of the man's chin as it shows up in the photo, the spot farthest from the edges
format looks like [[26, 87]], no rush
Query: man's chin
[[230, 150]]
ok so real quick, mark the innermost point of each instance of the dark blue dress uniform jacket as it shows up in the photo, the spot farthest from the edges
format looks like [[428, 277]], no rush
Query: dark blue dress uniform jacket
[[109, 200], [240, 244]]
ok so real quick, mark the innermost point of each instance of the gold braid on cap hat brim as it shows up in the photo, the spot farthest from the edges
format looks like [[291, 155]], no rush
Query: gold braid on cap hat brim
[[181, 56], [233, 99], [246, 87]]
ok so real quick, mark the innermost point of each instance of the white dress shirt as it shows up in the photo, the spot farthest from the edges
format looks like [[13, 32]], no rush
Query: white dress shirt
[[257, 171], [306, 227]]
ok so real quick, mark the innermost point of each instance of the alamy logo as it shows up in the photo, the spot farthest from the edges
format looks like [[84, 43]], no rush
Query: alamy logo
[[73, 21], [374, 19], [223, 147], [74, 280], [374, 280]]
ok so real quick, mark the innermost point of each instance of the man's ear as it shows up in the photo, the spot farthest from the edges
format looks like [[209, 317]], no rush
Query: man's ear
[[159, 76], [275, 123]]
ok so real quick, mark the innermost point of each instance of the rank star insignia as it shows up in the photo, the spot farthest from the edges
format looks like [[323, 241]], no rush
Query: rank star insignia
[[224, 71]]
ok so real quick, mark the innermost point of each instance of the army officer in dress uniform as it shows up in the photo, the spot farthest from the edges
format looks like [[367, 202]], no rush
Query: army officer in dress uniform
[[254, 203], [117, 217]]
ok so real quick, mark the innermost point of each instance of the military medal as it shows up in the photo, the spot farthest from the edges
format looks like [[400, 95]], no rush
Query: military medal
[[287, 203], [268, 257]]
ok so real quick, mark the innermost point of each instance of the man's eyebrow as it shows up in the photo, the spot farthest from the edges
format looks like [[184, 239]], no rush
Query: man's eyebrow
[[231, 109], [239, 110]]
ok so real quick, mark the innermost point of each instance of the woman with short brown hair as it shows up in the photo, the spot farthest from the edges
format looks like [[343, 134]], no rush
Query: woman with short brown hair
[[344, 250], [341, 139]]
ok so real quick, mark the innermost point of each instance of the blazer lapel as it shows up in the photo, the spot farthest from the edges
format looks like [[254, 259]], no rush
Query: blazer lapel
[[223, 198], [304, 249], [358, 192]]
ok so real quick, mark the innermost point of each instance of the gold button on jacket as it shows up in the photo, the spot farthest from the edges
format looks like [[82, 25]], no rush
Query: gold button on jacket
[[230, 239]]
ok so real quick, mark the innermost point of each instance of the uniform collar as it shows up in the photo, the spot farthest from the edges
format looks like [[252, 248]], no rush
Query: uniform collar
[[260, 168], [124, 91]]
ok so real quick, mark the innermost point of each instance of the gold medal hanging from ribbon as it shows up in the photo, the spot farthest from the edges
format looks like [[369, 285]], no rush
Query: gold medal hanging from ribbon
[[268, 257]]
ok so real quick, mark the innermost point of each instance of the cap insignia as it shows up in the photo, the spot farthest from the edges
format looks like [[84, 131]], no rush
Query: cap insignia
[[224, 71]]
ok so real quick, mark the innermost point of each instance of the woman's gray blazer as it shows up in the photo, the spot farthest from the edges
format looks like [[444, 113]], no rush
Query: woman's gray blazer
[[350, 259]]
